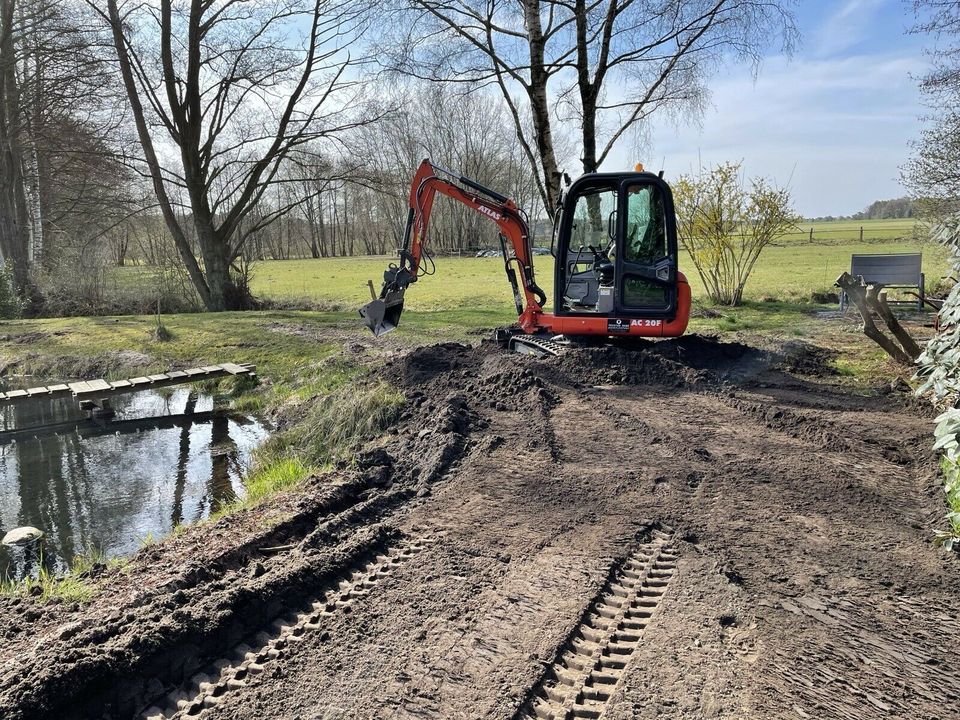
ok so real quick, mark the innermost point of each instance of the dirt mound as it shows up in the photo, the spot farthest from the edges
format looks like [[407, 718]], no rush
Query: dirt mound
[[667, 529]]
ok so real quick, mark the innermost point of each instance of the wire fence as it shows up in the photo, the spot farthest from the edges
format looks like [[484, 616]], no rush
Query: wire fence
[[813, 234]]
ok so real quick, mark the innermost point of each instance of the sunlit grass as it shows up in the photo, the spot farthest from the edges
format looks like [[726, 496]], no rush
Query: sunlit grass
[[275, 477], [46, 585]]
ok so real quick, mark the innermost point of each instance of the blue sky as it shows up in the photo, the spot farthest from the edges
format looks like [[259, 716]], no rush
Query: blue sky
[[833, 121]]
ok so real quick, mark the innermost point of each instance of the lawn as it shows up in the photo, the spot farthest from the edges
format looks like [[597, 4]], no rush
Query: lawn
[[787, 272]]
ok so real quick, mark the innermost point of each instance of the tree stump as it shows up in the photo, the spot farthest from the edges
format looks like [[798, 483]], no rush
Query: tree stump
[[871, 301]]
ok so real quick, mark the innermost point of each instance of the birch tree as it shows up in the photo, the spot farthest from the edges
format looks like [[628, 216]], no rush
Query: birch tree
[[604, 66]]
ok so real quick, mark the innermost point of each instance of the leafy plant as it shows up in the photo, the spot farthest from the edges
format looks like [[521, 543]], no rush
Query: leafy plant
[[940, 370], [12, 304], [725, 225]]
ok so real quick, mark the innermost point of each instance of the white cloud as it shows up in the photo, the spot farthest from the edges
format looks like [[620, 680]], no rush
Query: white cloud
[[848, 25], [837, 129]]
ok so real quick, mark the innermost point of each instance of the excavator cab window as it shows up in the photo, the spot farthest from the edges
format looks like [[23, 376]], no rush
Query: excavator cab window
[[616, 248], [587, 269], [645, 244]]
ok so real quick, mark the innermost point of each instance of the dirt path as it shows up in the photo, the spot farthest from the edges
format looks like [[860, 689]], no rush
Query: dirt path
[[682, 532]]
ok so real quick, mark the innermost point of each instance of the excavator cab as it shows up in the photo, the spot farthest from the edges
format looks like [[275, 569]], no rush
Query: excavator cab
[[616, 248]]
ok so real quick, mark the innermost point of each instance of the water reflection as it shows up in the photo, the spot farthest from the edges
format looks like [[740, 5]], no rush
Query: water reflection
[[110, 486]]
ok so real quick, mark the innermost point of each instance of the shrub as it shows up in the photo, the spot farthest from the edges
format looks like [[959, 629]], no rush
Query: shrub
[[725, 226], [11, 304], [940, 370]]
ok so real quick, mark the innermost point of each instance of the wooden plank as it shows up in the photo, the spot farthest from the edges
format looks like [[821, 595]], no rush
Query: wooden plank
[[140, 381], [99, 386], [38, 391], [116, 384], [193, 372], [176, 374], [16, 394], [235, 369], [58, 388], [79, 387], [211, 368], [157, 378]]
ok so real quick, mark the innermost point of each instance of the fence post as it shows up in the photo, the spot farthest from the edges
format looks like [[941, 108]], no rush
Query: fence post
[[861, 233], [811, 234]]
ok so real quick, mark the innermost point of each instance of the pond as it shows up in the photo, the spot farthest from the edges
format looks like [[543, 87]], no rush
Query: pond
[[167, 457]]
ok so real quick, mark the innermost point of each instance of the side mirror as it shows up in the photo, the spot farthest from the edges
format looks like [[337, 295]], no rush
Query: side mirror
[[612, 225]]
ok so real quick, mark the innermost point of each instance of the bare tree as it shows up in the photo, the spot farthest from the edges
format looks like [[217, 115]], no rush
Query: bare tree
[[234, 87], [606, 65], [14, 222], [56, 110], [933, 173]]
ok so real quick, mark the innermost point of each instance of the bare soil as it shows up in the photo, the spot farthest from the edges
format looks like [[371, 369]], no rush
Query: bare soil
[[684, 529]]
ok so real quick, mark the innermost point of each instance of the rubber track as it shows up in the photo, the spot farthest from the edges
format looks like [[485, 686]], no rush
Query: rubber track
[[248, 659], [534, 345], [594, 660]]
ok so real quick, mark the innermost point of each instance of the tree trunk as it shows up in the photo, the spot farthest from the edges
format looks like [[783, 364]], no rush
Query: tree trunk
[[223, 292], [14, 235], [869, 301], [540, 104]]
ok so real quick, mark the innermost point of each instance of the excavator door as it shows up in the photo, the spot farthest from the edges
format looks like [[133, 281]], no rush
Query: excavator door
[[617, 248]]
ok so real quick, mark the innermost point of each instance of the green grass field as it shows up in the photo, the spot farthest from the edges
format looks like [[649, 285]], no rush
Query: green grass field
[[788, 272], [844, 231]]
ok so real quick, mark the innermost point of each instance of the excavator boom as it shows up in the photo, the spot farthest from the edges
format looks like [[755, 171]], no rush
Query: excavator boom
[[382, 314]]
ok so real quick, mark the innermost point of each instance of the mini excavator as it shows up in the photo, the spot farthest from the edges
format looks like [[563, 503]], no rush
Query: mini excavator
[[615, 244]]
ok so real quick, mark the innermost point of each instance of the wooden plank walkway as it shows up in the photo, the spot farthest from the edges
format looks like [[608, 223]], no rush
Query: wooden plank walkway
[[98, 389]]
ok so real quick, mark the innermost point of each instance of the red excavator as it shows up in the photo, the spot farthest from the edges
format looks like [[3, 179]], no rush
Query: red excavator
[[615, 244]]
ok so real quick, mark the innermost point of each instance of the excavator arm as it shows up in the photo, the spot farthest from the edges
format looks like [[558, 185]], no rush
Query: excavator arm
[[383, 314]]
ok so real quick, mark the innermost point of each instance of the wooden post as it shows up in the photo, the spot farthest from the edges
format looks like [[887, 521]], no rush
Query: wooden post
[[872, 300], [861, 233], [811, 234]]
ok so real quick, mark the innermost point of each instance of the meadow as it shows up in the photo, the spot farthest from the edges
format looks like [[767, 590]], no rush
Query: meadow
[[789, 271]]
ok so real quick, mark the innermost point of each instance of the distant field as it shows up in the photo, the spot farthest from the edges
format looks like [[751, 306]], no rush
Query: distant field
[[790, 271], [785, 273], [843, 231]]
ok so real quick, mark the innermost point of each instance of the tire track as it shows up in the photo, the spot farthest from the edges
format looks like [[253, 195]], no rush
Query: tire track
[[249, 658], [592, 662]]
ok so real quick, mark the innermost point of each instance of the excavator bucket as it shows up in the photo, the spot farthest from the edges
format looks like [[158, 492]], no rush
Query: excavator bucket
[[383, 314]]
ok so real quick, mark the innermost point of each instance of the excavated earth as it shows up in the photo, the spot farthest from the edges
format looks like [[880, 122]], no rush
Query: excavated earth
[[685, 529]]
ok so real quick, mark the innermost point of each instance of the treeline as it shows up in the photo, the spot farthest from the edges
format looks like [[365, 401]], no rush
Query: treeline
[[887, 210], [904, 207], [198, 138]]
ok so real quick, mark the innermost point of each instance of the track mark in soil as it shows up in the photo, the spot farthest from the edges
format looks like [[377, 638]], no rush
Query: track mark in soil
[[592, 662], [249, 658], [843, 673]]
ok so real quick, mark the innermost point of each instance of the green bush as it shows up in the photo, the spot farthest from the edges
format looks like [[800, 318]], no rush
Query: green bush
[[11, 304], [940, 370]]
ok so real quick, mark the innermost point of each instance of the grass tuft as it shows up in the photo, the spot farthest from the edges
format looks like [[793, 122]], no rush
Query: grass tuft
[[47, 586], [274, 477], [85, 562], [338, 423]]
